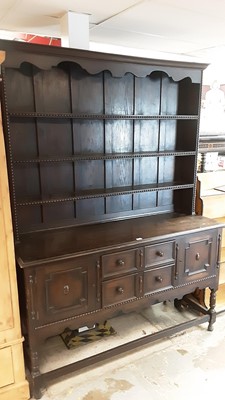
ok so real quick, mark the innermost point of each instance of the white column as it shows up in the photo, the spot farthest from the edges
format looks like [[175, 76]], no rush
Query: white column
[[75, 30]]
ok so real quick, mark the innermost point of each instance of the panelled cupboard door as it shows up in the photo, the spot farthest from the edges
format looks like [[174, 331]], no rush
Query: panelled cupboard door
[[197, 256], [63, 289]]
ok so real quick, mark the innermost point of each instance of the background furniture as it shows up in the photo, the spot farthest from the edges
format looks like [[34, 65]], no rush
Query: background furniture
[[210, 200], [211, 203], [12, 375], [102, 157]]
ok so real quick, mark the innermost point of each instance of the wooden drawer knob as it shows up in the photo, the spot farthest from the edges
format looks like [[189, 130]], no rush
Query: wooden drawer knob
[[197, 257], [120, 290], [158, 279], [66, 289], [120, 262], [160, 253]]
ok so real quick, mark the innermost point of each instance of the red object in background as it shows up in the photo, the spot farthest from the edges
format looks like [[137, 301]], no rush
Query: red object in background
[[48, 41]]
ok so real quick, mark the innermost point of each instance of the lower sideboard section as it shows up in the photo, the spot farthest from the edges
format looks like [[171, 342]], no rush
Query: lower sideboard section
[[77, 290]]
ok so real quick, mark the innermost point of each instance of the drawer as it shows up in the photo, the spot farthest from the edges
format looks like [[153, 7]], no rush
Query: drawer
[[119, 290], [159, 253], [121, 262], [158, 279], [7, 375]]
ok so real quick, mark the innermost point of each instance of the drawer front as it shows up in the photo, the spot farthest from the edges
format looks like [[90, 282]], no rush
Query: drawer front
[[6, 375], [122, 262], [159, 253], [119, 290], [158, 279]]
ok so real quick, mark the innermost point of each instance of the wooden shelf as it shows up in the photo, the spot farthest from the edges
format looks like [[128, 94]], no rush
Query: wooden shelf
[[98, 193], [109, 156], [100, 116]]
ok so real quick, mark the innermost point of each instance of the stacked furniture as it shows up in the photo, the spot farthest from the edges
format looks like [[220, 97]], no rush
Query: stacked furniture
[[102, 157], [210, 203], [13, 384]]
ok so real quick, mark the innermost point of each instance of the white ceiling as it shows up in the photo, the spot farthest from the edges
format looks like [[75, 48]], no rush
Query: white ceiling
[[171, 28]]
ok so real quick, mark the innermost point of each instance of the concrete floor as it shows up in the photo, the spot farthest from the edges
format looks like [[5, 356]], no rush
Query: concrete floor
[[184, 366]]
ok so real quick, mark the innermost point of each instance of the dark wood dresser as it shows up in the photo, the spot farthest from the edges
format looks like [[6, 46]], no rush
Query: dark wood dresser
[[102, 160]]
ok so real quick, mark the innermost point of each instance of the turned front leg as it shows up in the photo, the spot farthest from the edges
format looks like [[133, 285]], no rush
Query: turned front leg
[[34, 376], [212, 311]]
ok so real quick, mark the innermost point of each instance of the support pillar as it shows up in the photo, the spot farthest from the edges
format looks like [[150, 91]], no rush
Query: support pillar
[[75, 30]]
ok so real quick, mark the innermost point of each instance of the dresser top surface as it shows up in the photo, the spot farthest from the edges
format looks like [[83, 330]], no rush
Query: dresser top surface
[[67, 242]]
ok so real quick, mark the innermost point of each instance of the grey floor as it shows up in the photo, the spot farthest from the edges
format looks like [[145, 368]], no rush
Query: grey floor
[[184, 366]]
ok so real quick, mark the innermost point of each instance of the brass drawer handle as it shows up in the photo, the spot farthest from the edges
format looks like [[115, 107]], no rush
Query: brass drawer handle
[[160, 253], [120, 262], [159, 279], [197, 257], [66, 289], [120, 290]]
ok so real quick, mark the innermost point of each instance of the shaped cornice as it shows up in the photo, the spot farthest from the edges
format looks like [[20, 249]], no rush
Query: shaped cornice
[[45, 57]]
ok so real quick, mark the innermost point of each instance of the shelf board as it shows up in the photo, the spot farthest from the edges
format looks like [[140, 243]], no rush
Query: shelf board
[[108, 156], [103, 193], [101, 116]]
